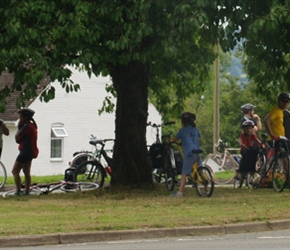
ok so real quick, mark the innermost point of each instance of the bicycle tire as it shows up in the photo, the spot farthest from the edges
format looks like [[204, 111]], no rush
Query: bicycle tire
[[206, 187], [79, 186], [80, 158], [3, 175], [33, 191], [169, 170], [90, 171], [226, 172], [261, 168], [238, 180], [280, 172]]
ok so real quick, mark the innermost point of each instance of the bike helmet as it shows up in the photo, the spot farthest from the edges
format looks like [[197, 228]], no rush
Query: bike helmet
[[187, 117], [248, 123], [247, 107], [283, 96], [26, 112]]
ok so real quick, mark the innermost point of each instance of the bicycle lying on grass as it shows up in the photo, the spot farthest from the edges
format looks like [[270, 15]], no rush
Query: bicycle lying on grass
[[65, 186]]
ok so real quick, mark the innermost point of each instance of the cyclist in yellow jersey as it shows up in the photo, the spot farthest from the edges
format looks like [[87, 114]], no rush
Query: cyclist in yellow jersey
[[274, 119]]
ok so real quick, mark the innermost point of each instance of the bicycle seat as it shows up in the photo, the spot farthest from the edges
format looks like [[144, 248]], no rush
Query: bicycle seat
[[197, 151]]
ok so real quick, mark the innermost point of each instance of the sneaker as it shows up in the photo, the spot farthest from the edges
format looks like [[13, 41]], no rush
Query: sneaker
[[17, 193], [177, 194]]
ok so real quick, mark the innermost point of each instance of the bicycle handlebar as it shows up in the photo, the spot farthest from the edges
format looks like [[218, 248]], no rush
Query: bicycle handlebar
[[94, 141], [154, 125]]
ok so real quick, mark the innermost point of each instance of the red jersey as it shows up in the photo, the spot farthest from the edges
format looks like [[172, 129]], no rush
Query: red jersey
[[248, 141], [28, 142]]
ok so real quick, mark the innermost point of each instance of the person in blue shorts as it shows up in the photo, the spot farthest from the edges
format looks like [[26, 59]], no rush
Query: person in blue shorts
[[26, 137], [189, 136]]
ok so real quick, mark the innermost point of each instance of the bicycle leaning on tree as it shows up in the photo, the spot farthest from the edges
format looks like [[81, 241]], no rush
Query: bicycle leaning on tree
[[89, 165], [161, 157]]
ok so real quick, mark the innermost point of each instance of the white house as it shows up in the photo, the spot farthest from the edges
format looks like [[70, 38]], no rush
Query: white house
[[65, 124]]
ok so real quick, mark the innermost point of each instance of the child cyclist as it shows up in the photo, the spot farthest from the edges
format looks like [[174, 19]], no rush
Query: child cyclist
[[249, 143], [189, 136]]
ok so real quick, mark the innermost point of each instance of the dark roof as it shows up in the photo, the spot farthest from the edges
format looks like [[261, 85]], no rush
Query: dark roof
[[10, 113]]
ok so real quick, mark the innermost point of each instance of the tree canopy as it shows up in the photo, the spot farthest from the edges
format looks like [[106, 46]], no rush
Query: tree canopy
[[164, 46]]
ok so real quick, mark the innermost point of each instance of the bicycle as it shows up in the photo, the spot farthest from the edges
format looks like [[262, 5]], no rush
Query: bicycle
[[88, 166], [273, 161], [65, 186], [223, 163], [202, 180], [161, 158], [3, 175]]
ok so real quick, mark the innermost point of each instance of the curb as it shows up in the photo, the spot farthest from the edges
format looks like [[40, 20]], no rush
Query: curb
[[71, 238]]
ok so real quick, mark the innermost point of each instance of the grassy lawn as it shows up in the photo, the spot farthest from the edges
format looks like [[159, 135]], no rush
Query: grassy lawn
[[112, 209]]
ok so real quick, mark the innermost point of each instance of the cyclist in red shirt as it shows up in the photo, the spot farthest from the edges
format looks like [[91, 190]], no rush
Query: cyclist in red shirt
[[26, 136], [249, 143]]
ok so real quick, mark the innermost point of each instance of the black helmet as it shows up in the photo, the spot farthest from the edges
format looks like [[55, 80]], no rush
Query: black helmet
[[26, 112], [283, 96], [247, 107], [187, 117], [247, 123]]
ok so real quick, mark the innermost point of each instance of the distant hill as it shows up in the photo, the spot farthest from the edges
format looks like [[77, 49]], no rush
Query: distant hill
[[237, 69]]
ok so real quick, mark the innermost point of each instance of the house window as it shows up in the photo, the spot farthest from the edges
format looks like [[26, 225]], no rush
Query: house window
[[58, 133]]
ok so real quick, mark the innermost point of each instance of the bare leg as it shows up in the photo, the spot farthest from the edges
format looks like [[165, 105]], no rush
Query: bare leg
[[182, 183], [26, 171], [16, 173]]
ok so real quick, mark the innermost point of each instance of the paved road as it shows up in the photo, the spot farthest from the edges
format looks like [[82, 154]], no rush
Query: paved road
[[279, 240], [129, 235]]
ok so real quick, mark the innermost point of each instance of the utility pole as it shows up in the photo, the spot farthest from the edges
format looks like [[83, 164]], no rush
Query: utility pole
[[216, 108]]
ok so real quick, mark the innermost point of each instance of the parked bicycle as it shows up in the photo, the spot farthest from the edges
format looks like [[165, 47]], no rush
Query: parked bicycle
[[162, 158], [223, 163], [65, 186], [273, 161], [3, 175], [88, 164]]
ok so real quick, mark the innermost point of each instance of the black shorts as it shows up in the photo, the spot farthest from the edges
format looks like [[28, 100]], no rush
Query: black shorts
[[23, 158]]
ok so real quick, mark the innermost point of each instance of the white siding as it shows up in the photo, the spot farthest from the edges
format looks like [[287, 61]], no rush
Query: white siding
[[78, 111]]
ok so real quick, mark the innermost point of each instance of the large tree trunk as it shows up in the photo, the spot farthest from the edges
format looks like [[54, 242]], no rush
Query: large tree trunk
[[130, 167]]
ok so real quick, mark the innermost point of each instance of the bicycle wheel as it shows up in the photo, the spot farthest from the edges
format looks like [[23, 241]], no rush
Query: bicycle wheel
[[260, 167], [205, 185], [224, 167], [80, 158], [238, 179], [90, 171], [3, 175], [169, 170], [79, 186], [33, 191], [280, 172]]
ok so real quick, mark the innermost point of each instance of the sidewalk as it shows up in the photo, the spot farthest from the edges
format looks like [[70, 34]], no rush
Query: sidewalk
[[71, 238]]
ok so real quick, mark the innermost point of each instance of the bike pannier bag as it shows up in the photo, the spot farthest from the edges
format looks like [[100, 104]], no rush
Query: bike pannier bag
[[156, 152]]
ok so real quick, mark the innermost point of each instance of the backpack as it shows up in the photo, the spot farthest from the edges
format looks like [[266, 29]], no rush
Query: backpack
[[156, 152]]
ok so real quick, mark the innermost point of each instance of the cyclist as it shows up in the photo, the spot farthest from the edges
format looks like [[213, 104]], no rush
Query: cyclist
[[275, 118], [248, 111], [250, 144], [189, 136], [26, 137]]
